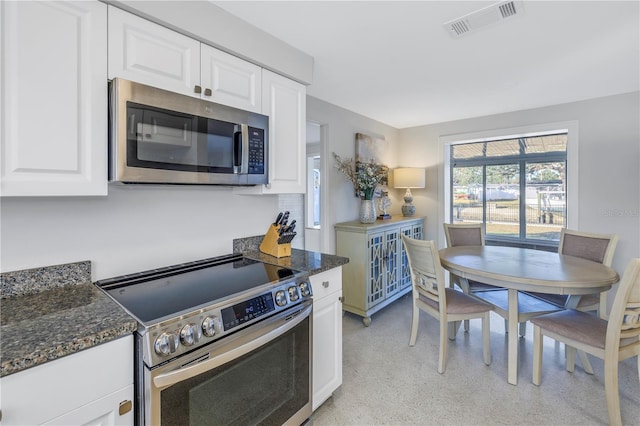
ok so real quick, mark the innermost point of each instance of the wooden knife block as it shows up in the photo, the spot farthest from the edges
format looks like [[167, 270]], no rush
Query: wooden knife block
[[270, 244]]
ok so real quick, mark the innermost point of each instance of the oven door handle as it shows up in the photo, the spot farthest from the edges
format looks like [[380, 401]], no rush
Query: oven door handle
[[247, 344]]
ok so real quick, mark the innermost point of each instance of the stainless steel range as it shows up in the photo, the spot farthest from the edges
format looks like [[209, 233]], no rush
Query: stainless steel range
[[225, 340]]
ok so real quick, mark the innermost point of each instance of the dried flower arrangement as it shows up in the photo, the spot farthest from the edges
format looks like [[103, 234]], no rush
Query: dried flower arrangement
[[365, 177]]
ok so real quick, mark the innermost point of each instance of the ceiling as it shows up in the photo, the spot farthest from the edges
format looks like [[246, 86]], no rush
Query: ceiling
[[393, 61]]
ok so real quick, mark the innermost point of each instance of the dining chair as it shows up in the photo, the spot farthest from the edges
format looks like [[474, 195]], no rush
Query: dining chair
[[466, 234], [612, 340], [448, 305], [597, 248], [591, 246]]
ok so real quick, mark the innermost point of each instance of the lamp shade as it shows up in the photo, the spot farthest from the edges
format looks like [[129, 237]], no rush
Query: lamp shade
[[409, 177]]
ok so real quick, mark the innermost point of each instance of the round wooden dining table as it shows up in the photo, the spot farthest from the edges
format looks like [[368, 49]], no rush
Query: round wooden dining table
[[528, 270]]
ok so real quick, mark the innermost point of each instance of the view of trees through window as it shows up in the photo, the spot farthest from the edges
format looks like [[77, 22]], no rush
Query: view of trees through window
[[516, 187]]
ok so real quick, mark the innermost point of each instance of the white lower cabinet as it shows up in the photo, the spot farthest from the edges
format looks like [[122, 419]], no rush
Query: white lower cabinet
[[94, 386], [327, 334]]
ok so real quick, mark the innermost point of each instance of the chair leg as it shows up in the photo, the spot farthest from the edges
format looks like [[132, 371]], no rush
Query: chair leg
[[486, 338], [453, 327], [570, 358], [611, 391], [442, 361], [523, 329], [537, 355], [414, 324], [586, 365]]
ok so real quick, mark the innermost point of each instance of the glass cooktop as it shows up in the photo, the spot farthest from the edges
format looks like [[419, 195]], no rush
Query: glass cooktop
[[163, 293]]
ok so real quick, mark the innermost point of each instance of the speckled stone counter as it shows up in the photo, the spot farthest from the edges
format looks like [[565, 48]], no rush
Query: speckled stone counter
[[301, 260], [51, 312]]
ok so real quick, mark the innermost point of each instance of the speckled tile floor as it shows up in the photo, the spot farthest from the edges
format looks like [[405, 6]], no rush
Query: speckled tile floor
[[386, 382]]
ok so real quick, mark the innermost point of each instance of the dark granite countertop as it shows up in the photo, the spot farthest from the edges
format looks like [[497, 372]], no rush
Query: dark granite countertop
[[308, 261], [55, 316], [47, 313]]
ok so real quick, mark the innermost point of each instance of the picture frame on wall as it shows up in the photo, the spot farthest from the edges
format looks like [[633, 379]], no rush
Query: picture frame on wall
[[373, 149]]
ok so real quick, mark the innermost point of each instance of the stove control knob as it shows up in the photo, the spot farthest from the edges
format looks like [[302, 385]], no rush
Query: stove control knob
[[293, 293], [281, 298], [166, 344], [190, 334], [305, 289], [209, 326]]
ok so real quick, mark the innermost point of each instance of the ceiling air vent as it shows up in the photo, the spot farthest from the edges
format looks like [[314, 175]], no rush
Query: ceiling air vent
[[483, 17]]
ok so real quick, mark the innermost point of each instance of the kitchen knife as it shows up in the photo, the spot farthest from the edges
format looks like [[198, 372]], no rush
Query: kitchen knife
[[278, 219], [285, 218]]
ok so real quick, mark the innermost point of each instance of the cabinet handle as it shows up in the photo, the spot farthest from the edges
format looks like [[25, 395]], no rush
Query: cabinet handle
[[197, 89], [125, 407], [207, 92], [325, 284]]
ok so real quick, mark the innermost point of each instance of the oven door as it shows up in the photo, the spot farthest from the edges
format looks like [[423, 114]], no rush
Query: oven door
[[260, 375]]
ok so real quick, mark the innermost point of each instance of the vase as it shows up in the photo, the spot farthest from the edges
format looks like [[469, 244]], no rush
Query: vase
[[367, 211]]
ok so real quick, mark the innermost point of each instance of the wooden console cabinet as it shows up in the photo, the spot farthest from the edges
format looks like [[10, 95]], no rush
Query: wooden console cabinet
[[378, 272]]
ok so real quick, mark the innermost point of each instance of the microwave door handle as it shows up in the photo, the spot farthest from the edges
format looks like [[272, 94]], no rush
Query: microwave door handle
[[241, 150], [171, 378], [237, 150], [244, 166]]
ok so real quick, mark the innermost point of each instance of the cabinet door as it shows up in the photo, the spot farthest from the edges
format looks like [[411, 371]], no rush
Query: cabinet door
[[284, 101], [148, 53], [391, 262], [104, 411], [54, 100], [405, 273], [375, 266], [71, 385], [327, 334], [229, 80]]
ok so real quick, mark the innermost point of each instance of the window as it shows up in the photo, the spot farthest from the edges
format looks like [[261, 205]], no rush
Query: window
[[515, 186], [313, 191]]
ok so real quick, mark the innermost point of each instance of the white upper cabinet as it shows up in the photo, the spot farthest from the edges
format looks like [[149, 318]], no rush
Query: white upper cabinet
[[142, 51], [148, 53], [284, 101], [231, 80], [53, 115]]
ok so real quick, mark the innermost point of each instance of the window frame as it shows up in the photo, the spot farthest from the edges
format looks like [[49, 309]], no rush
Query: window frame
[[571, 171]]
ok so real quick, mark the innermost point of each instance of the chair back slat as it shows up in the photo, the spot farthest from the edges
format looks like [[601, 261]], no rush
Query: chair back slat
[[595, 247], [425, 267], [467, 234]]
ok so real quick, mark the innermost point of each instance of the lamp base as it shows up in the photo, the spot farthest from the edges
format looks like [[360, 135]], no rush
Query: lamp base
[[408, 209]]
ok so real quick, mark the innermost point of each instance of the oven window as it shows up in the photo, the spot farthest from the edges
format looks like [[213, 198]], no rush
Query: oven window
[[267, 387]]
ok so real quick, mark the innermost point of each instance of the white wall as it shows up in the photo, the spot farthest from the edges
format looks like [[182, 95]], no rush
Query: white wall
[[609, 164], [342, 126], [133, 229]]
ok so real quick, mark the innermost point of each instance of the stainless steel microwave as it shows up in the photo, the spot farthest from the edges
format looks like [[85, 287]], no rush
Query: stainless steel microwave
[[157, 136]]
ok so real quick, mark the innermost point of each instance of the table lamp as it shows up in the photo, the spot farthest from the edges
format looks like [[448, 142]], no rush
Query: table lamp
[[408, 177]]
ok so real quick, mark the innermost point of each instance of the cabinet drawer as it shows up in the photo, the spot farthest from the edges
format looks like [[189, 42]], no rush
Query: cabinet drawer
[[326, 283]]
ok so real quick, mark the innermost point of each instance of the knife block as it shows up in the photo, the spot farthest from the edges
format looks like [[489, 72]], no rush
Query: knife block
[[270, 244]]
